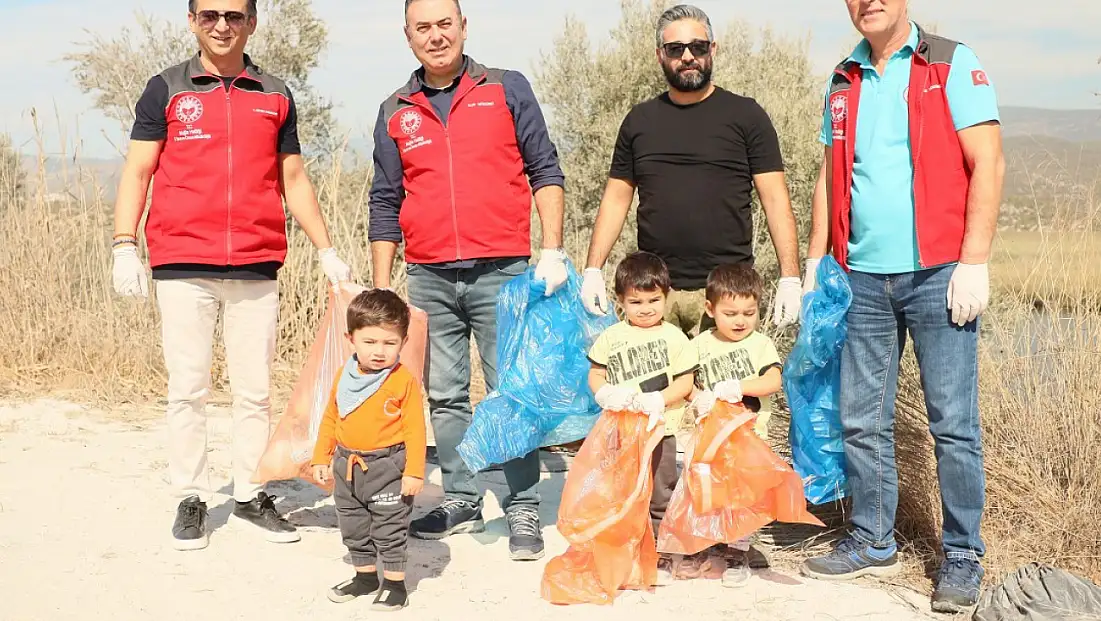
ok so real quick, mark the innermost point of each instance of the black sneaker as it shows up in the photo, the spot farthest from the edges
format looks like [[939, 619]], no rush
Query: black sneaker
[[957, 585], [358, 586], [452, 517], [525, 540], [189, 529], [260, 512], [392, 596]]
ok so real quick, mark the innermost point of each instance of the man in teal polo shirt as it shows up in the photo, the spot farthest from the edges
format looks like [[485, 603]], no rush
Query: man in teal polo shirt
[[913, 169]]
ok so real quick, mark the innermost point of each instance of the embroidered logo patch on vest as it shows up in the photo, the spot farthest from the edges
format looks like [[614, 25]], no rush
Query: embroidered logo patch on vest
[[838, 108], [189, 109], [410, 122]]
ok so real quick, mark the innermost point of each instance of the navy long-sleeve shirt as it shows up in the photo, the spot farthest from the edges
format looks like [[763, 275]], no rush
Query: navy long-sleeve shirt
[[539, 154]]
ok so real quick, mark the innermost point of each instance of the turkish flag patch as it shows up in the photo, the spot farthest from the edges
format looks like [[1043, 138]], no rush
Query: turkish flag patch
[[978, 78]]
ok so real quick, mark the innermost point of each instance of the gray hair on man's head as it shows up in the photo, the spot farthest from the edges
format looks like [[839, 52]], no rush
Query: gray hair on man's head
[[683, 11], [457, 6]]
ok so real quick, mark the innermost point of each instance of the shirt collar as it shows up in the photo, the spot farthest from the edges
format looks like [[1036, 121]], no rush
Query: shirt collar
[[423, 86], [862, 55]]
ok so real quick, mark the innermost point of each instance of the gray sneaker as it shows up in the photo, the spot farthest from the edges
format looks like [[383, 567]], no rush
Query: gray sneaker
[[525, 540], [852, 559], [957, 585]]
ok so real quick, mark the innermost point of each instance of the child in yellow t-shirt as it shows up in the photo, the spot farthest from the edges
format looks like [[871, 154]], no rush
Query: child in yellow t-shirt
[[737, 364], [371, 444], [645, 364]]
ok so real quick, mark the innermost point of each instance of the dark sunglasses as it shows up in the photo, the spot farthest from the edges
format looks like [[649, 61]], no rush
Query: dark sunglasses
[[209, 19], [676, 49]]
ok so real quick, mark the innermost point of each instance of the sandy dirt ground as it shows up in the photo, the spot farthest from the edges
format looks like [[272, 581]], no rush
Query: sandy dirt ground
[[85, 517]]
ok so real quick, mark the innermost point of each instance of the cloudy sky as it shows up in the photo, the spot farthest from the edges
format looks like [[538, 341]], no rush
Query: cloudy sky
[[1038, 54]]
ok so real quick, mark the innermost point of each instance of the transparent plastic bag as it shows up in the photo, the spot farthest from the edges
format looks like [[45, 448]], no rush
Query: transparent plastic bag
[[731, 485], [604, 515], [812, 382], [291, 447], [543, 396]]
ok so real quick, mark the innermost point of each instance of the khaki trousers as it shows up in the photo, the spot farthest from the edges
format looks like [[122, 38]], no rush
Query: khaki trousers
[[687, 310], [189, 311]]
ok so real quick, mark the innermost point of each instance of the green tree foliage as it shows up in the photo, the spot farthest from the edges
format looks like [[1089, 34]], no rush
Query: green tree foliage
[[588, 92], [288, 43]]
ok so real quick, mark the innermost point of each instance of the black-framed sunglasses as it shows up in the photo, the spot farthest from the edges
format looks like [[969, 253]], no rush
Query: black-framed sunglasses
[[698, 47], [209, 19]]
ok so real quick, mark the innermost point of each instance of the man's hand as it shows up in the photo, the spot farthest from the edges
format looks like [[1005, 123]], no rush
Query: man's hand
[[551, 269], [411, 486], [322, 474], [335, 269], [810, 279], [615, 398], [594, 293], [652, 404], [968, 292], [703, 404], [128, 272], [729, 391], [785, 305]]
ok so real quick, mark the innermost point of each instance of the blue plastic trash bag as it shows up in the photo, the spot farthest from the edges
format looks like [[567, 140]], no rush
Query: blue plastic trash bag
[[543, 396], [812, 381]]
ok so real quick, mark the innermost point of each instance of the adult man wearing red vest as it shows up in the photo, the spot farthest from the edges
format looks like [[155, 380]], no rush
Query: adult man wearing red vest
[[218, 137], [913, 169], [459, 152]]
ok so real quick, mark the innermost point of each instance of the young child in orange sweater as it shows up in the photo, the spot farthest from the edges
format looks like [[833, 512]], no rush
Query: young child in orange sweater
[[371, 443]]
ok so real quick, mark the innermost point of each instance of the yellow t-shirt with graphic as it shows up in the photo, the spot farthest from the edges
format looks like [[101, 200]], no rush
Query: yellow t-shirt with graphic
[[647, 359], [723, 360]]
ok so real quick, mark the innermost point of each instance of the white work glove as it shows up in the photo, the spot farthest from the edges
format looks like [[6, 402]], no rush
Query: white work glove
[[651, 404], [785, 305], [128, 272], [615, 398], [810, 279], [335, 269], [729, 391], [551, 269], [703, 403], [594, 293], [968, 292]]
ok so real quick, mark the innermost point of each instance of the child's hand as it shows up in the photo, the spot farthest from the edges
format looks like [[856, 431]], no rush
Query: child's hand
[[411, 486], [703, 403], [322, 474], [729, 391], [651, 404]]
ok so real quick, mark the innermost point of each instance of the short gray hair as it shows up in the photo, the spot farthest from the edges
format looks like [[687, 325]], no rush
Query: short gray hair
[[408, 2], [683, 11]]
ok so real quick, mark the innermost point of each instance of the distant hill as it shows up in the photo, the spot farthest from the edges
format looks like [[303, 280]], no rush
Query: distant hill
[[1072, 125]]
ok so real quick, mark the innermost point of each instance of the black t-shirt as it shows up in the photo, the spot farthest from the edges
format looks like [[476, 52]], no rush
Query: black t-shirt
[[150, 123], [693, 166]]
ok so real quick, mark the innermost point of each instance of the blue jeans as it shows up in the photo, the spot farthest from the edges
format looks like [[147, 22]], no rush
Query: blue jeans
[[884, 308], [459, 301]]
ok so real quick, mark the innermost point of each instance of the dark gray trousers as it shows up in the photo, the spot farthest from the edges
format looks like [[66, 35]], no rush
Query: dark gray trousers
[[372, 513], [664, 467]]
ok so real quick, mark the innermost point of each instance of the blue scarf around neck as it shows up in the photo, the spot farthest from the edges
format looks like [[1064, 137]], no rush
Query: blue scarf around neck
[[356, 386]]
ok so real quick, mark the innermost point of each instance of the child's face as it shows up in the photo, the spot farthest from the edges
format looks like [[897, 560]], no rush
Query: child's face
[[376, 347], [644, 309], [735, 316]]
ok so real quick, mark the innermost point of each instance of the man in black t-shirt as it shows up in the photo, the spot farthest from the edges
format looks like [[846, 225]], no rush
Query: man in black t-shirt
[[695, 153]]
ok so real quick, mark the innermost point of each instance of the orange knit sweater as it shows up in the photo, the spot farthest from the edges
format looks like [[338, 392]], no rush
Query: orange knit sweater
[[392, 415]]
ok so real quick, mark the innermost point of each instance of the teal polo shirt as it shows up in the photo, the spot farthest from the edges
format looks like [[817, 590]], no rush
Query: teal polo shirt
[[883, 237]]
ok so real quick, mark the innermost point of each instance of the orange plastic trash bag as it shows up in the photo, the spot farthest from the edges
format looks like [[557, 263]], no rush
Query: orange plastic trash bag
[[731, 485], [605, 515], [291, 447]]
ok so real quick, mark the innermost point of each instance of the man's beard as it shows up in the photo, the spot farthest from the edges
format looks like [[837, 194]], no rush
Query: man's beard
[[688, 82]]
